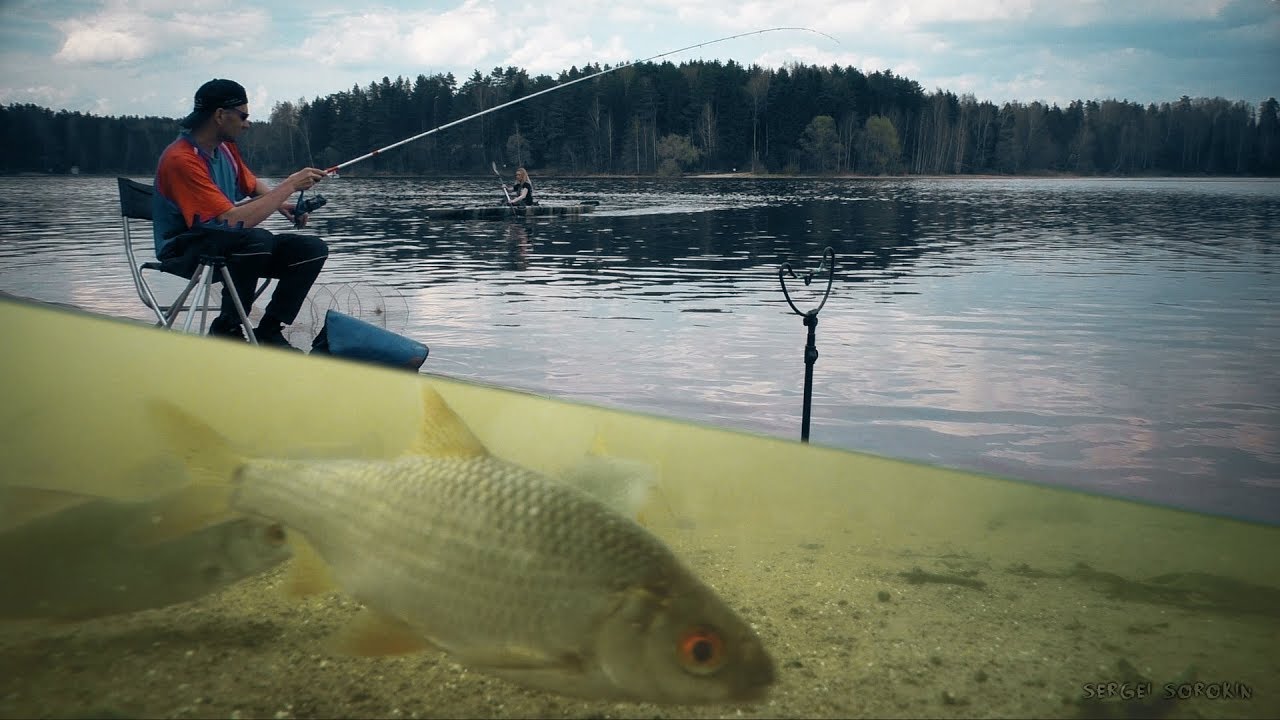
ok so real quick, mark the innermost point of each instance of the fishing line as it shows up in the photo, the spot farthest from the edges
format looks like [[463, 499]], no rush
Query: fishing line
[[375, 153]]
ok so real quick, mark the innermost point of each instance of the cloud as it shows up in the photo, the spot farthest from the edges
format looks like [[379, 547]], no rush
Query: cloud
[[743, 17], [861, 18], [94, 43], [555, 50], [463, 35], [459, 36], [147, 56], [811, 55], [44, 95], [127, 32], [920, 14]]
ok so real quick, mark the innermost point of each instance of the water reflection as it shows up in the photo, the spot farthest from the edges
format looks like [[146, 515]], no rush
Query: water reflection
[[1112, 335], [518, 245]]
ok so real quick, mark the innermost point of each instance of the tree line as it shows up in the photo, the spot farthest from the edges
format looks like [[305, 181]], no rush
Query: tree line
[[701, 116]]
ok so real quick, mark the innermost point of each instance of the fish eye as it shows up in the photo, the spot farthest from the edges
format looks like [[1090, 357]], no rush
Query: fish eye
[[701, 650], [273, 534]]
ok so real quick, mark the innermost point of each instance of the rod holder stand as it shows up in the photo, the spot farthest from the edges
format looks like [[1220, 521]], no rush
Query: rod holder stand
[[811, 322]]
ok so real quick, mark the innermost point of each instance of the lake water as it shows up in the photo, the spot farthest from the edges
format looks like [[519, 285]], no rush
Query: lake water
[[1118, 336]]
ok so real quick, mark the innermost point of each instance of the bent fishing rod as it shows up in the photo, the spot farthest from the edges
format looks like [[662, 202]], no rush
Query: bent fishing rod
[[561, 86]]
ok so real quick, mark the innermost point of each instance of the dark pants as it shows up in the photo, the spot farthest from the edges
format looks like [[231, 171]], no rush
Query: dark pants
[[252, 254]]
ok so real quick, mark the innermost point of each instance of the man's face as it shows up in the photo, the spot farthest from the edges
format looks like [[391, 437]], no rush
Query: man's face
[[231, 121]]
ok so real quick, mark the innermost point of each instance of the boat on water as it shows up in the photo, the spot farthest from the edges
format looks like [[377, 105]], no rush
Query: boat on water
[[842, 554], [500, 212]]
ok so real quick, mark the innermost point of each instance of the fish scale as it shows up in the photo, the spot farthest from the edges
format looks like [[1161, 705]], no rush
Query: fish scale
[[477, 547]]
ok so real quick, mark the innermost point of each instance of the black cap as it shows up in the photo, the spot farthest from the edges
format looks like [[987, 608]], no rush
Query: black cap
[[213, 95]]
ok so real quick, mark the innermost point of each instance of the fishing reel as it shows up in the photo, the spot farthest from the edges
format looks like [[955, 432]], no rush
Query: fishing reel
[[305, 206]]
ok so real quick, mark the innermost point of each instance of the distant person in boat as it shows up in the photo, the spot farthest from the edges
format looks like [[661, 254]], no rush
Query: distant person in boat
[[200, 183], [522, 191]]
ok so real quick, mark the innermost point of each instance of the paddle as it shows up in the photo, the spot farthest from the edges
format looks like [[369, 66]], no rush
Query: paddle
[[494, 165]]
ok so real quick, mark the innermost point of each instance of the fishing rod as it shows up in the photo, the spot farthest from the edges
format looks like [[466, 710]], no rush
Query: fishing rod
[[419, 136], [493, 164]]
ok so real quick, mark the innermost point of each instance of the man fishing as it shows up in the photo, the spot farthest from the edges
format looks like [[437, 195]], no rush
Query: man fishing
[[199, 185]]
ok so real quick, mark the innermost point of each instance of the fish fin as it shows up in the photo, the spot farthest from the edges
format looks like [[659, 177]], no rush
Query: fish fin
[[625, 485], [598, 446], [373, 634], [680, 521], [185, 511], [206, 454], [443, 432], [519, 657], [308, 574], [21, 505], [211, 465]]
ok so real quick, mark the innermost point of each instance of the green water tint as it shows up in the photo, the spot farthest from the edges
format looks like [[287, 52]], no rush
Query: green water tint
[[880, 587]]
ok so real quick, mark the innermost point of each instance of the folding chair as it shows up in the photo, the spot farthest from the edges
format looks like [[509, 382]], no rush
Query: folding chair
[[135, 204]]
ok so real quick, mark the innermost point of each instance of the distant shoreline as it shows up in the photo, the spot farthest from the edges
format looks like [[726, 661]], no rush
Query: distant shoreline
[[733, 176], [1056, 176]]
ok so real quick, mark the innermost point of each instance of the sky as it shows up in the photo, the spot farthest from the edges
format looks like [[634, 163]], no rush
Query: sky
[[147, 57]]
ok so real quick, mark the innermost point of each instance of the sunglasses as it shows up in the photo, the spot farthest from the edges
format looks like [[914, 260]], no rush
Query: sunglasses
[[243, 115]]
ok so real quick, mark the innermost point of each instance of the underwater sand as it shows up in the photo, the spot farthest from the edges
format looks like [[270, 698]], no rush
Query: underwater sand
[[851, 634], [882, 589]]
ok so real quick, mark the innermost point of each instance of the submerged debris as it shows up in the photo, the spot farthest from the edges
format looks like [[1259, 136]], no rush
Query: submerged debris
[[1025, 570], [1189, 590], [919, 577]]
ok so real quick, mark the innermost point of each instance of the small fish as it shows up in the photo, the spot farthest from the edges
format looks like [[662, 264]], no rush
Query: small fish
[[511, 572], [624, 484], [66, 557]]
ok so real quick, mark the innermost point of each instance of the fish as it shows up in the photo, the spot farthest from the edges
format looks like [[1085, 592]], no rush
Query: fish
[[625, 484], [68, 557], [34, 457], [510, 572]]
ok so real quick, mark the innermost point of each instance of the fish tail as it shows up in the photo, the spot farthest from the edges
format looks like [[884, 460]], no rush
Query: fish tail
[[214, 470], [206, 453]]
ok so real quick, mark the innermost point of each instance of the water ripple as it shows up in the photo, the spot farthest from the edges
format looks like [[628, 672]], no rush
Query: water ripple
[[1117, 335]]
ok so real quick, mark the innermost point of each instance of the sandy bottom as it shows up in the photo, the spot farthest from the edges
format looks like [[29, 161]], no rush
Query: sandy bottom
[[884, 593], [856, 629]]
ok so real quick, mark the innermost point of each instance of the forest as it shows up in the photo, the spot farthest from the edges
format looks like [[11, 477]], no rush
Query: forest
[[695, 117]]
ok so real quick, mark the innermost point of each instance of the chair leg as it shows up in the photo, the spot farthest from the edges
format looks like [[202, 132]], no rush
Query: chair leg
[[235, 299], [203, 277], [182, 298], [204, 305], [206, 281], [148, 297]]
